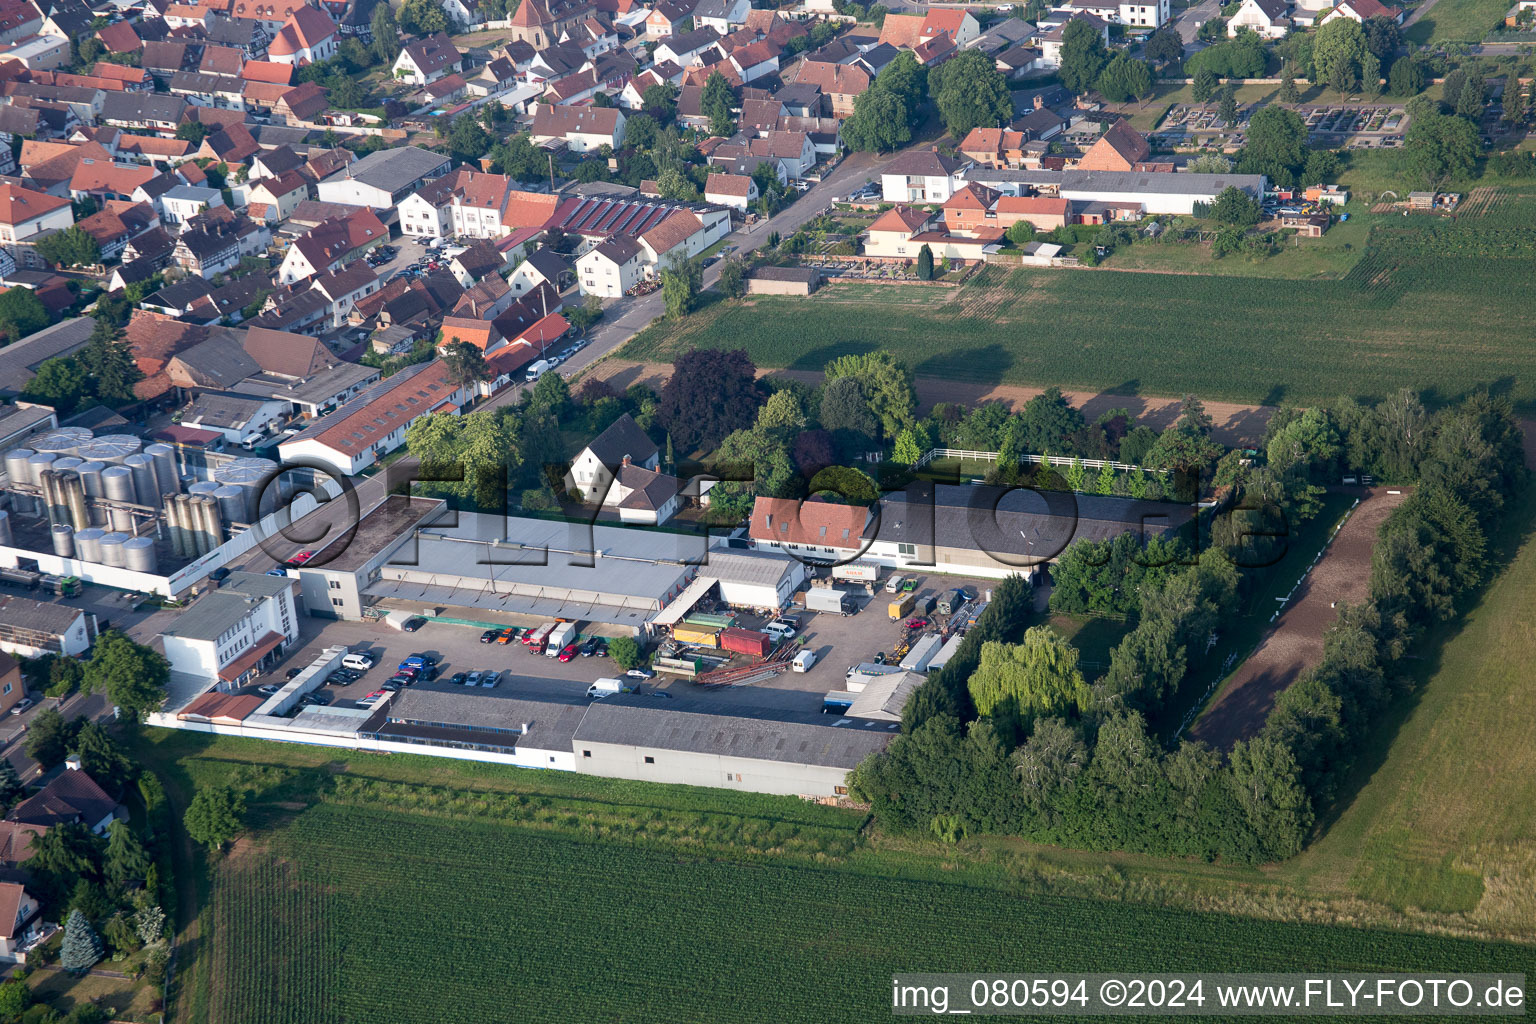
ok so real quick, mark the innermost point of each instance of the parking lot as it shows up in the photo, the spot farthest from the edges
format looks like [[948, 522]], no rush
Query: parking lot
[[840, 642]]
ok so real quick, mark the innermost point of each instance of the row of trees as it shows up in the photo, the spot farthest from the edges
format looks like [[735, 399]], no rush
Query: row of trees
[[1016, 739]]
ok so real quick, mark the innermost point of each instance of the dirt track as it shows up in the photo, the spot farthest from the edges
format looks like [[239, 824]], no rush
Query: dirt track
[[1296, 641], [1235, 424]]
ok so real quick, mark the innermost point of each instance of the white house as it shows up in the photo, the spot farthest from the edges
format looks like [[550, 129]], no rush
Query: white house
[[231, 634], [611, 268], [922, 176], [1271, 19], [738, 191], [622, 444], [184, 202], [724, 16], [343, 288], [543, 266], [1050, 42], [25, 214], [20, 921], [426, 60], [583, 129], [1153, 15], [309, 36], [1361, 11]]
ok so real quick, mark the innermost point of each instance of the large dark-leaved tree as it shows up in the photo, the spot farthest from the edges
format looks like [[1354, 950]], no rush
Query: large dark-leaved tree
[[970, 93], [712, 393]]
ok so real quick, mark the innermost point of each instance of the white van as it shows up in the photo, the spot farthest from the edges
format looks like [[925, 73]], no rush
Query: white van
[[357, 662], [538, 370], [803, 661], [607, 687], [894, 583]]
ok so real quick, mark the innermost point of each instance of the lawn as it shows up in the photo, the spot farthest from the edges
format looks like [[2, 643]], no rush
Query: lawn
[[1458, 21], [127, 1000], [403, 890], [1428, 306], [1442, 817]]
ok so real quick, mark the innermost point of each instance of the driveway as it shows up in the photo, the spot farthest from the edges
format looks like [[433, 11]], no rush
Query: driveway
[[628, 316], [1188, 23]]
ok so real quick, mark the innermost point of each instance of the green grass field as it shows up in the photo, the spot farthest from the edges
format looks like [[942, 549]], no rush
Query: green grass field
[[1427, 306], [1458, 21], [513, 895], [1442, 819]]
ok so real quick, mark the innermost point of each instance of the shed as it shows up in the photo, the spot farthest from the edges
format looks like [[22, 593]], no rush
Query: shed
[[783, 281]]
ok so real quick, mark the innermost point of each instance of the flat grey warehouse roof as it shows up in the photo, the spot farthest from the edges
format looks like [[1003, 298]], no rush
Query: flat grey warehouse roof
[[542, 552], [1159, 182], [392, 169], [1015, 523], [634, 720]]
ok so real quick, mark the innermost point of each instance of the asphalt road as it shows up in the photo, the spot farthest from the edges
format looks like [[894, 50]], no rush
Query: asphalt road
[[1189, 21], [628, 316]]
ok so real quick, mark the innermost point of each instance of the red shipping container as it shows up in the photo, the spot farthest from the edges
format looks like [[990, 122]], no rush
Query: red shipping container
[[746, 641]]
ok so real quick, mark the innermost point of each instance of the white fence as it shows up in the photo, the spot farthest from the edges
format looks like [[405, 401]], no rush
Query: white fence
[[1055, 460]]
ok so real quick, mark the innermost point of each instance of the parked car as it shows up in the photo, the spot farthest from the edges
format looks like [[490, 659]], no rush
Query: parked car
[[301, 558], [358, 662], [589, 648], [489, 636], [569, 651], [401, 680], [908, 586], [640, 673], [879, 657], [490, 679], [659, 693], [21, 705], [392, 687], [318, 698], [780, 630], [276, 572], [412, 625], [917, 623], [426, 659], [219, 575], [267, 690], [473, 680], [602, 649], [293, 673], [458, 678], [506, 636]]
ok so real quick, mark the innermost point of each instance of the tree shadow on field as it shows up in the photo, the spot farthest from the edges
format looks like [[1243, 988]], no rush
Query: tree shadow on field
[[988, 364], [817, 359], [1424, 662]]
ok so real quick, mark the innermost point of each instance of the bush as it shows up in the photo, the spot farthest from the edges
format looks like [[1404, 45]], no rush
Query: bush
[[626, 653]]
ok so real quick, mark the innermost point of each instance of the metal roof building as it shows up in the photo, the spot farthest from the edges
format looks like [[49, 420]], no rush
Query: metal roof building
[[514, 565], [635, 737]]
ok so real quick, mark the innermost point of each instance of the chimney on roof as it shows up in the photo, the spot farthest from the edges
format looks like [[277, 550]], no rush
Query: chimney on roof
[[72, 762], [626, 461]]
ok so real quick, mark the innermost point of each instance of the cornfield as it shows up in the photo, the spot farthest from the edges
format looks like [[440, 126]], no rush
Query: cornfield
[[379, 914]]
